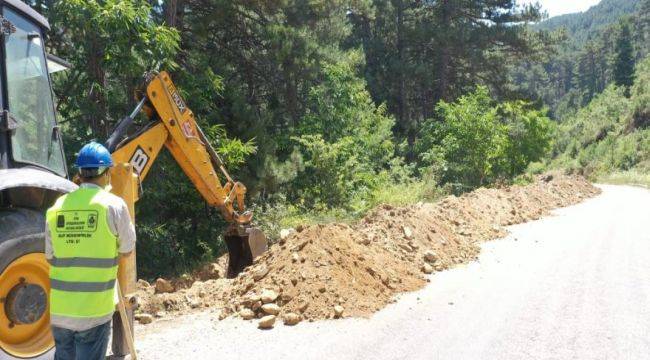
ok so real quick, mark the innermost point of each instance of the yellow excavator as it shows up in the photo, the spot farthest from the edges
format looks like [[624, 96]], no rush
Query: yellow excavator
[[33, 175]]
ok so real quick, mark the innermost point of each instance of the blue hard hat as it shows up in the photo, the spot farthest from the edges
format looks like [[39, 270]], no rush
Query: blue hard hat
[[94, 155]]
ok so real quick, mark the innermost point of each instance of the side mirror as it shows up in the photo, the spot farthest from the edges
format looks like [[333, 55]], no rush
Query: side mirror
[[56, 64]]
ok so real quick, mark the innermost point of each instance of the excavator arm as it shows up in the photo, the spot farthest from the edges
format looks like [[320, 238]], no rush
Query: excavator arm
[[174, 127]]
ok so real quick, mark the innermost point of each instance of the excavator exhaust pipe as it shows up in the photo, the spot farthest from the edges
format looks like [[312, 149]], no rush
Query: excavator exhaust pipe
[[244, 245]]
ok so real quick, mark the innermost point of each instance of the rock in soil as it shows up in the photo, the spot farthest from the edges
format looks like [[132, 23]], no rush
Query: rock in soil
[[338, 311], [268, 296], [408, 233], [210, 271], [291, 319], [284, 233], [427, 269], [260, 273], [163, 286], [266, 322], [271, 309], [430, 256], [143, 284], [144, 318], [246, 314]]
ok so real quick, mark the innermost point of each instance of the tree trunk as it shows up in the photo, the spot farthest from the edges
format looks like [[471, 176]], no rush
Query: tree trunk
[[173, 11], [98, 119], [402, 106], [442, 92]]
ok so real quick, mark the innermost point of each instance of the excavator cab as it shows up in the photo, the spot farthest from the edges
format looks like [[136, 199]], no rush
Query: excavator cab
[[32, 175]]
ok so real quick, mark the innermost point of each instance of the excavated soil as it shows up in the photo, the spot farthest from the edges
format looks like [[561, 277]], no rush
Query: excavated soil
[[340, 270]]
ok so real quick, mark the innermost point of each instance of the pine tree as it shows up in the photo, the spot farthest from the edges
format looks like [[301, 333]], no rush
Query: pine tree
[[624, 63], [421, 52], [644, 26], [587, 69]]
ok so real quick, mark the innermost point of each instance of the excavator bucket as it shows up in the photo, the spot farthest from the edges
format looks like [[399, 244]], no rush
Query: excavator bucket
[[244, 246]]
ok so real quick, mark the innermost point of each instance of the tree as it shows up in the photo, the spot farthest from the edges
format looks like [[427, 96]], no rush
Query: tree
[[421, 52], [590, 50], [345, 140], [624, 64], [469, 139], [530, 133], [588, 71], [112, 44], [480, 141]]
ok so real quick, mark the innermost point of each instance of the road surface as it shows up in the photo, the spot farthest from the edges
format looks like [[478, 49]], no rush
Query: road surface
[[575, 285]]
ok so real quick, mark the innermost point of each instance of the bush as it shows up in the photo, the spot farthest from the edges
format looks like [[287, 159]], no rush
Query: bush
[[345, 141], [476, 141], [530, 133], [468, 139]]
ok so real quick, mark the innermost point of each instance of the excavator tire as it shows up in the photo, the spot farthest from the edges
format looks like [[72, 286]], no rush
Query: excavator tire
[[24, 285]]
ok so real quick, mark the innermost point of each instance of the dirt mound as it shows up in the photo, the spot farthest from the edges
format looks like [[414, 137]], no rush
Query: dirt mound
[[335, 270]]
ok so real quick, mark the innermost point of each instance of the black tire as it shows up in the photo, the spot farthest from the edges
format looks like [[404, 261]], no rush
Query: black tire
[[21, 233]]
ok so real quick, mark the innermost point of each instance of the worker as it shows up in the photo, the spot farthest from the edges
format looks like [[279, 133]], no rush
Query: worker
[[85, 231]]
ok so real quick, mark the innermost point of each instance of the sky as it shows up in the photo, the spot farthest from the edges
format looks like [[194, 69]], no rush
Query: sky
[[559, 7]]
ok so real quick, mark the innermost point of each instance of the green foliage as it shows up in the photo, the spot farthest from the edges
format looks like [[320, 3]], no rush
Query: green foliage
[[306, 101], [641, 96], [478, 141], [610, 135], [421, 52], [111, 44], [282, 214], [602, 46], [345, 140], [470, 138], [624, 63], [633, 177], [233, 152], [530, 133]]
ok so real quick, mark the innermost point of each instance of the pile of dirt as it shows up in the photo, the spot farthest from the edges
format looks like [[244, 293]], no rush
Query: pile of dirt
[[338, 270]]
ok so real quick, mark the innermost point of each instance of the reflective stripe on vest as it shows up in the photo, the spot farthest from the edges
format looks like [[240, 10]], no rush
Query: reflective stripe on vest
[[83, 262], [72, 286], [83, 270]]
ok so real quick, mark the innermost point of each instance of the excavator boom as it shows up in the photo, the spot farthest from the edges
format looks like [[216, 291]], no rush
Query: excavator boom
[[174, 127]]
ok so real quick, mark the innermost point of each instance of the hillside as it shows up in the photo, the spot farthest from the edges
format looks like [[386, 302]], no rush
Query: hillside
[[582, 26], [611, 36], [609, 139]]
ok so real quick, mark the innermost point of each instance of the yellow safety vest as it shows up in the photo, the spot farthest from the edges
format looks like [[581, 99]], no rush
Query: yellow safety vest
[[84, 268]]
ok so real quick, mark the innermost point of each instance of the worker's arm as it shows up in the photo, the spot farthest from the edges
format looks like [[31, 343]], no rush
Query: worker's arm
[[49, 250], [123, 227]]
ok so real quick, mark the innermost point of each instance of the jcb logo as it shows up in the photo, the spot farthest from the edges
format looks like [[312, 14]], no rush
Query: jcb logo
[[178, 101], [139, 160]]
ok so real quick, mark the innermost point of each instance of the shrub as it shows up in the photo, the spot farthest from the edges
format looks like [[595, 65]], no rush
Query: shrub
[[530, 133], [476, 141], [345, 140], [469, 138]]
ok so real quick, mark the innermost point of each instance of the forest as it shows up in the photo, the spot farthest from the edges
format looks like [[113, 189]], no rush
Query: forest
[[327, 108]]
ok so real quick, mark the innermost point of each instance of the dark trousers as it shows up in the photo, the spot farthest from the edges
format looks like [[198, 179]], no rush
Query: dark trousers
[[81, 345]]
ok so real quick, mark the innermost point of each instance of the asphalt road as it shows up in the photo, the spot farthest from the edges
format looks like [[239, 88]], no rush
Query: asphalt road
[[575, 285]]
